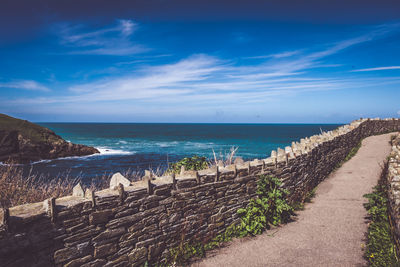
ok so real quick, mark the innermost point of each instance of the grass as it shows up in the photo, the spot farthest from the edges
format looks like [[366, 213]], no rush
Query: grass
[[17, 188], [307, 199], [351, 154], [380, 249], [27, 129]]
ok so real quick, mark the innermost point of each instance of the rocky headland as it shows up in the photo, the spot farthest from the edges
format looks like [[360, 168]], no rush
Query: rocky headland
[[22, 142]]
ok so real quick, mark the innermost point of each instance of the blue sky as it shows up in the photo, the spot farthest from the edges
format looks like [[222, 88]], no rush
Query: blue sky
[[229, 62]]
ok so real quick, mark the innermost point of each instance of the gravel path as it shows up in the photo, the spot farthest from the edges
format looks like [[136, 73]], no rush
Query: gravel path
[[329, 232]]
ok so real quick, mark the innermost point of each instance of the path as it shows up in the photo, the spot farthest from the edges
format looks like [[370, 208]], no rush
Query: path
[[331, 229]]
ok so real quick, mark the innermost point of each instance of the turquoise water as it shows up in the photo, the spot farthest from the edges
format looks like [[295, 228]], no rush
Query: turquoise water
[[139, 146]]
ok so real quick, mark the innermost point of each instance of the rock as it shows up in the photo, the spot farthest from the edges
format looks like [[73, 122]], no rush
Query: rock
[[77, 191], [100, 217], [105, 250], [109, 233], [117, 179], [78, 262], [65, 254], [238, 161], [138, 256], [22, 142]]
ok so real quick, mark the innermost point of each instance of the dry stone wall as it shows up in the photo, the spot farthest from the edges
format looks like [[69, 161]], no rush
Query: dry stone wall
[[393, 181], [129, 225]]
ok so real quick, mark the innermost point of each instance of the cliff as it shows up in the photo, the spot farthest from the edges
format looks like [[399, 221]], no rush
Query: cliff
[[22, 141]]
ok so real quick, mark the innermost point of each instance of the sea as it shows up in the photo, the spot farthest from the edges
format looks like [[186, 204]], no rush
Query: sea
[[139, 146]]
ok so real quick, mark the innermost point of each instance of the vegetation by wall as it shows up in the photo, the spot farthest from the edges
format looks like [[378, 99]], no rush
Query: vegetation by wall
[[140, 222]]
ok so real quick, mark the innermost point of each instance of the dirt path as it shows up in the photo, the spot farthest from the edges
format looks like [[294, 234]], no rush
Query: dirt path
[[331, 229]]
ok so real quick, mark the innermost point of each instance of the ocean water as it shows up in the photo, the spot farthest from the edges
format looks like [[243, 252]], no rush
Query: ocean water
[[140, 146]]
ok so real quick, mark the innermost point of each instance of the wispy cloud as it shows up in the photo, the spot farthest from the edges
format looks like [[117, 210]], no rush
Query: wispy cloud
[[277, 55], [378, 68], [202, 81], [25, 85], [113, 40]]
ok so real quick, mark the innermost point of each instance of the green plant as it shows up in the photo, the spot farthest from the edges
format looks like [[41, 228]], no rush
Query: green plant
[[310, 195], [299, 205], [194, 163], [181, 254], [351, 154], [381, 250], [270, 207]]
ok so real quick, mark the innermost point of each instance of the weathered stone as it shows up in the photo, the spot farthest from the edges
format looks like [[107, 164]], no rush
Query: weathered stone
[[109, 233], [146, 243], [120, 261], [129, 220], [238, 161], [77, 191], [95, 263], [104, 250], [66, 254], [138, 256], [100, 217], [117, 179], [78, 262]]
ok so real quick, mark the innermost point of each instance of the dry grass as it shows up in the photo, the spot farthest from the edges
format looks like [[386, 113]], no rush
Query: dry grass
[[17, 188], [226, 158]]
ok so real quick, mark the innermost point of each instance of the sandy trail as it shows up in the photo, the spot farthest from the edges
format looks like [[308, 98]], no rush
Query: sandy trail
[[329, 232]]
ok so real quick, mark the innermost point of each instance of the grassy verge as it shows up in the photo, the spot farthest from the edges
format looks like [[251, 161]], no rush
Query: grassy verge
[[351, 154], [380, 249]]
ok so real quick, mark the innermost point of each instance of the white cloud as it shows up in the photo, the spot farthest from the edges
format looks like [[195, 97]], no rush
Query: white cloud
[[378, 68], [277, 55], [25, 85], [114, 40], [127, 27], [202, 81]]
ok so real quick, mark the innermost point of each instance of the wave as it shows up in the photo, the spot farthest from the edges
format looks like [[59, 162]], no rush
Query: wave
[[110, 151], [42, 161]]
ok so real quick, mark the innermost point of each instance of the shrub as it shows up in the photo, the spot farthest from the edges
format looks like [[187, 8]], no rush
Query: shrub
[[194, 163], [381, 250], [270, 207]]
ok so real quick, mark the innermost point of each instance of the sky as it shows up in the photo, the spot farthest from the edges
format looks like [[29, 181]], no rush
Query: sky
[[200, 61]]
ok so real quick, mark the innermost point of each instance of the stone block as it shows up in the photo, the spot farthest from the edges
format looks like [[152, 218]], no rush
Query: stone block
[[117, 179], [100, 217], [104, 250], [138, 256], [77, 191], [109, 233]]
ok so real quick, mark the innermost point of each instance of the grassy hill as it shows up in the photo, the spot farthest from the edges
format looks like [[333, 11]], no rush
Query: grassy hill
[[22, 141], [27, 129]]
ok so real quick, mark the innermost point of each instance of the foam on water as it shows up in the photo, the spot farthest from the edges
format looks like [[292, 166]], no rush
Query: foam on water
[[110, 151]]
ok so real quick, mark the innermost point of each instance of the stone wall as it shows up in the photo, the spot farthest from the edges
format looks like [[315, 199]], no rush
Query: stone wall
[[139, 222], [393, 182]]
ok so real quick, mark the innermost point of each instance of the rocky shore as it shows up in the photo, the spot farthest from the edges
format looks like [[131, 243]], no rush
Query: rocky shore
[[22, 142]]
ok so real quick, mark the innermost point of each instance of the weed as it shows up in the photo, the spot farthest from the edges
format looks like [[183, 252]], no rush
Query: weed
[[351, 154], [270, 207], [195, 163], [381, 250]]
